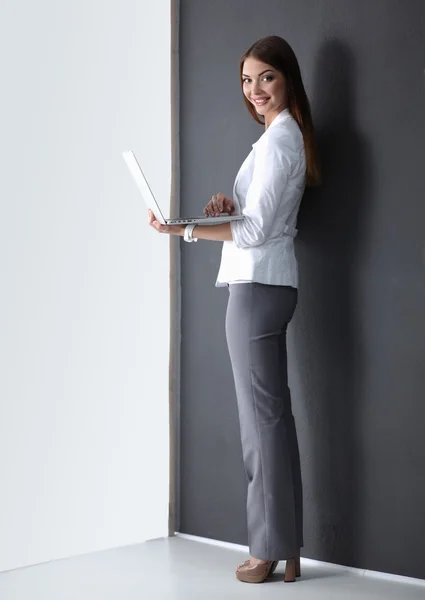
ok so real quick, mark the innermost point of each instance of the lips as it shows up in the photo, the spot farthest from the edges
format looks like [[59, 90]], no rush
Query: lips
[[260, 101]]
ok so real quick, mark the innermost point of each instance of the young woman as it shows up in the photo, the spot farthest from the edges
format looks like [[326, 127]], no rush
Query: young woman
[[259, 267]]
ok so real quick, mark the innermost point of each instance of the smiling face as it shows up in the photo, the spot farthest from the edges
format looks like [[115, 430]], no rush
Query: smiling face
[[264, 87]]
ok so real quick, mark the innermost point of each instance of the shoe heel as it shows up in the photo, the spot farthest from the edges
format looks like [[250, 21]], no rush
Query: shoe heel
[[298, 565], [290, 570]]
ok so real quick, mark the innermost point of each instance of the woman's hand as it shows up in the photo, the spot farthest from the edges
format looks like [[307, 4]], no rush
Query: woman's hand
[[219, 204], [171, 229]]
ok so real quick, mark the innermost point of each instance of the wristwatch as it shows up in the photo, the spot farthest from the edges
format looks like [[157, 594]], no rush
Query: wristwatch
[[188, 233]]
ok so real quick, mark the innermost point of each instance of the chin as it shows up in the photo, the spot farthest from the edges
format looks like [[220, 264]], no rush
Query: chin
[[260, 109], [262, 112]]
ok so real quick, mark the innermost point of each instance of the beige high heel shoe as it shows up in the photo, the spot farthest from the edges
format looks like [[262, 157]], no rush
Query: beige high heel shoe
[[259, 573], [293, 565], [254, 573]]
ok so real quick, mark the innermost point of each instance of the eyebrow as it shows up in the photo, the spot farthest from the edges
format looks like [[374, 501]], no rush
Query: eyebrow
[[266, 71]]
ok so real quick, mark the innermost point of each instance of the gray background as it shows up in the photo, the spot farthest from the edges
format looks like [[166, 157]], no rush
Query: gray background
[[357, 342]]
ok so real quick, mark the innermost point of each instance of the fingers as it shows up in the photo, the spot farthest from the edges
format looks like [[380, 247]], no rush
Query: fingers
[[215, 206], [229, 206], [218, 203], [156, 224], [208, 209], [151, 216]]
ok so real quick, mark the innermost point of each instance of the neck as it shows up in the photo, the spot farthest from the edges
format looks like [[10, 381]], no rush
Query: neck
[[270, 116]]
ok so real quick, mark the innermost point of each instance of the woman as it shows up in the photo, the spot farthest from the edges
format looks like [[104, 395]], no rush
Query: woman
[[259, 267]]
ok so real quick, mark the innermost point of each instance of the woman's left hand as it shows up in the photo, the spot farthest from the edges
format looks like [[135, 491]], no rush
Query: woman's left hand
[[171, 229]]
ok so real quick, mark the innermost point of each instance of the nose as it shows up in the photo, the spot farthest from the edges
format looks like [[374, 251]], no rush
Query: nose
[[256, 87]]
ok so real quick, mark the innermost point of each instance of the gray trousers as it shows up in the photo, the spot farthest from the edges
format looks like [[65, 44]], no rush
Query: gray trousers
[[256, 323]]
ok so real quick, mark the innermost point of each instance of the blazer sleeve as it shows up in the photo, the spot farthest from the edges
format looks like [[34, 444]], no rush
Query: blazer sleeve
[[273, 162]]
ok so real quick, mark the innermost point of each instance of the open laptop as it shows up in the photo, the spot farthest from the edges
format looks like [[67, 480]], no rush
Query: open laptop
[[151, 203]]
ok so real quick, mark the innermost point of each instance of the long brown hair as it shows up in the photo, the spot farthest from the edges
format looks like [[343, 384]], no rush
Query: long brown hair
[[276, 52]]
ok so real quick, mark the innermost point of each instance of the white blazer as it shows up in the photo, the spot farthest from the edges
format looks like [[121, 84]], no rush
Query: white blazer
[[268, 190]]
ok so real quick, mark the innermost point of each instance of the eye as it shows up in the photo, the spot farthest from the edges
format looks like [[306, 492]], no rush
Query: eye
[[246, 80], [268, 78]]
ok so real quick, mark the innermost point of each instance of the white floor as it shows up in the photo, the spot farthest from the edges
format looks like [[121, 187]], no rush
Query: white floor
[[181, 569]]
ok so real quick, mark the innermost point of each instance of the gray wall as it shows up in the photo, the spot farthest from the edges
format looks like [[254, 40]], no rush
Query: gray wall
[[357, 342]]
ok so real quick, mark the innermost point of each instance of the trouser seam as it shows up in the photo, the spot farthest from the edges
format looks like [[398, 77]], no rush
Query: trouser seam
[[257, 428]]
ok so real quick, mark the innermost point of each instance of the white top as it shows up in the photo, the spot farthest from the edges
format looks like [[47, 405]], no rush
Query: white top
[[268, 190]]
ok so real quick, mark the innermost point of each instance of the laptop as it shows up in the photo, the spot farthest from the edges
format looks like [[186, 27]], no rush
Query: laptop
[[151, 203]]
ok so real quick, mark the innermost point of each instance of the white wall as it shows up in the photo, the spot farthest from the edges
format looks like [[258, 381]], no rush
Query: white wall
[[84, 283]]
